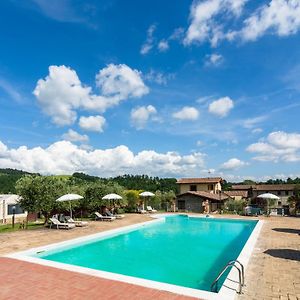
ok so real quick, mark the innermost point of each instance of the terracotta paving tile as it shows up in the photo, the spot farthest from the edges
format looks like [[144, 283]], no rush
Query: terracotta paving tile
[[24, 280]]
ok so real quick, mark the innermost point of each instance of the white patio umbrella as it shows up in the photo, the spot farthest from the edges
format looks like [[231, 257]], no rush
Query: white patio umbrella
[[112, 197], [268, 196], [146, 195], [69, 197]]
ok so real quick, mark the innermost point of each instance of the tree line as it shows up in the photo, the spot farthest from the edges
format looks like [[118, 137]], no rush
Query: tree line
[[39, 194]]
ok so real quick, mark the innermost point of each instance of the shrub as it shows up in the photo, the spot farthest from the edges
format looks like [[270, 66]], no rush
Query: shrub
[[236, 206]]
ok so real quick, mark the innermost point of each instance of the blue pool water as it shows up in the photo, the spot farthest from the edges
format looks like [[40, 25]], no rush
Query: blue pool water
[[184, 251]]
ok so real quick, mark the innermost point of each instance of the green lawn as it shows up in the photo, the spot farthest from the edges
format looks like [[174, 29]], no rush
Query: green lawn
[[8, 227]]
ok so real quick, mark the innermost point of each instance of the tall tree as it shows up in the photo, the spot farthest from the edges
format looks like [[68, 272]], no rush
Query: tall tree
[[39, 194]]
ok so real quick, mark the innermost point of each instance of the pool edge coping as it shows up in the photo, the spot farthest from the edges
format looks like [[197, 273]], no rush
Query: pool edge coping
[[224, 292]]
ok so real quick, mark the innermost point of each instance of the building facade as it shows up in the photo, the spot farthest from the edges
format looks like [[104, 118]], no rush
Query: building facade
[[210, 185], [8, 207], [283, 191], [200, 195]]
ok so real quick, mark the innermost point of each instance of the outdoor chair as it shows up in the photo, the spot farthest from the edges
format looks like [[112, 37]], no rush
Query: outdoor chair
[[109, 214], [77, 223], [100, 217], [150, 209], [141, 211], [54, 222]]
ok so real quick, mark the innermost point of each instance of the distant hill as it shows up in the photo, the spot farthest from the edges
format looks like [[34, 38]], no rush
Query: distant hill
[[136, 182], [8, 179]]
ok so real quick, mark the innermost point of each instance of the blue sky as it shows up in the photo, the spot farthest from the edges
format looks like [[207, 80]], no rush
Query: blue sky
[[167, 88]]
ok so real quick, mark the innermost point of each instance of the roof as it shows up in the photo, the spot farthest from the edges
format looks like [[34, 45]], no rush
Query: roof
[[200, 180], [265, 187], [242, 187], [243, 194], [275, 187], [207, 195], [9, 198]]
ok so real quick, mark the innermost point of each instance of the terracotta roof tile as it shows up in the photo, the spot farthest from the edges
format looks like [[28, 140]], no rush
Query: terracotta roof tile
[[207, 195], [241, 187], [200, 180], [237, 193], [265, 187]]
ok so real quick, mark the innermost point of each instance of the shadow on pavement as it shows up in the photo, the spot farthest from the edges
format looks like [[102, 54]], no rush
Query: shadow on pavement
[[284, 253], [287, 230]]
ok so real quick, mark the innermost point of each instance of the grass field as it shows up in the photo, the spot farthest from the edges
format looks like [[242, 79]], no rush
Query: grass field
[[31, 226]]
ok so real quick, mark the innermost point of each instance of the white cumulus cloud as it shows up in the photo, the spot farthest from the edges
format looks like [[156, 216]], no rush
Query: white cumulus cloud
[[92, 123], [205, 19], [187, 113], [63, 157], [280, 17], [74, 136], [233, 164], [221, 107], [61, 93], [141, 115], [278, 146], [215, 20]]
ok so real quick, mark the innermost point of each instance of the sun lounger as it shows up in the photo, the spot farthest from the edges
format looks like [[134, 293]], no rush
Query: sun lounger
[[141, 211], [54, 222], [150, 209], [108, 213], [77, 223], [103, 218]]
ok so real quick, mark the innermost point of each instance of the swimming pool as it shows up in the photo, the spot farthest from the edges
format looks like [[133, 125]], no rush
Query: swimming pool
[[177, 250]]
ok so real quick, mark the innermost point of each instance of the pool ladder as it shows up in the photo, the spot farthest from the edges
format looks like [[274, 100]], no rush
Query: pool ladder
[[239, 267]]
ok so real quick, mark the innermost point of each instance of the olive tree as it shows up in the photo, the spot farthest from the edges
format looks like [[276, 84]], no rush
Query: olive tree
[[95, 192], [39, 194]]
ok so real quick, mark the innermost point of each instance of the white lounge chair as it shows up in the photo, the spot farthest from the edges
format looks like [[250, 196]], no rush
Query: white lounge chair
[[60, 225], [108, 213], [141, 211], [150, 209], [77, 223], [104, 218]]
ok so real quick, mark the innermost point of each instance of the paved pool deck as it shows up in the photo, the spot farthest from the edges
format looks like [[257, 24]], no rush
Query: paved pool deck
[[272, 273], [21, 280]]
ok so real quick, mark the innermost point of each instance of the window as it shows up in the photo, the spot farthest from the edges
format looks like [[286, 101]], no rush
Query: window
[[210, 187], [286, 193], [18, 209], [193, 188], [279, 193]]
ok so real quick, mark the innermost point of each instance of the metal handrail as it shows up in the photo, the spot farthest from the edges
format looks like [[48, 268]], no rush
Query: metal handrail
[[241, 276], [242, 270]]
